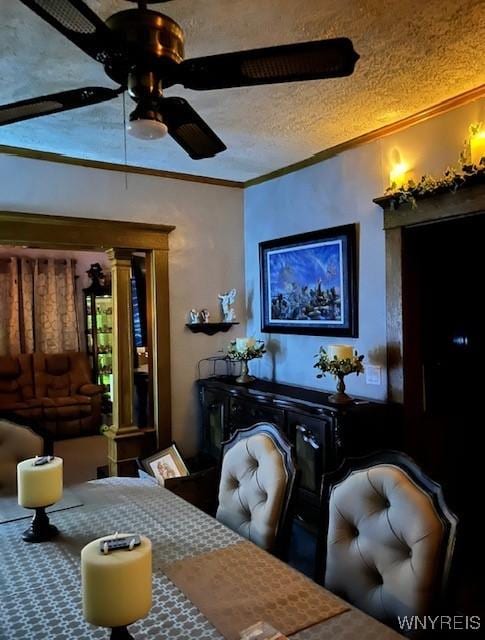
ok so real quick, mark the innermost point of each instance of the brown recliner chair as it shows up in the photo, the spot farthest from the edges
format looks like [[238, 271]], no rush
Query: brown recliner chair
[[71, 404], [17, 394]]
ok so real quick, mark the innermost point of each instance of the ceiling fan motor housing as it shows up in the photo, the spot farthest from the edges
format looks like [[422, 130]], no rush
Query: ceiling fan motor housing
[[155, 42]]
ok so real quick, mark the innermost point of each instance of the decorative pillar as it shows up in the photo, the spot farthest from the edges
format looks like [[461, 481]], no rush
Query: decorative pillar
[[159, 344], [125, 439]]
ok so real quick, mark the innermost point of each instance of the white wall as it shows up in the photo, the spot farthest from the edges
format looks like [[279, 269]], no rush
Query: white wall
[[206, 248], [335, 192]]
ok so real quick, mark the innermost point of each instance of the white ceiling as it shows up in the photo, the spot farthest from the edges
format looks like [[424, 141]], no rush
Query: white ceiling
[[414, 53]]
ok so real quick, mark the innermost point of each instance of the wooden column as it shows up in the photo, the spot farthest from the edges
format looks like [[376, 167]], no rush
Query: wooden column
[[125, 439], [394, 320], [159, 344]]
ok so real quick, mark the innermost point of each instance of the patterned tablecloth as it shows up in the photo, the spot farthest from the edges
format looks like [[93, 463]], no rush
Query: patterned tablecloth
[[40, 583]]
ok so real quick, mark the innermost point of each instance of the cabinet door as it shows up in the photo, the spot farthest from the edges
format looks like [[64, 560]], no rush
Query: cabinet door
[[311, 438], [244, 413], [213, 421]]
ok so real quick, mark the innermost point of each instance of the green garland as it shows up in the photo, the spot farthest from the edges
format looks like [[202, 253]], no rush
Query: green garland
[[250, 353], [338, 367], [464, 174]]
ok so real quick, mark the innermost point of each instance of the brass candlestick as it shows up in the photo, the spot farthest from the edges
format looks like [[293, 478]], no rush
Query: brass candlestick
[[244, 377], [340, 397]]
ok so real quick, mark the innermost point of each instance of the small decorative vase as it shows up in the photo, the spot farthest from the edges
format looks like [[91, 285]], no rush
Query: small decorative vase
[[244, 377], [340, 397]]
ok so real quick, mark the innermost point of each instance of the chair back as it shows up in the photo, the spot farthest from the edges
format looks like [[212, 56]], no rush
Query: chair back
[[257, 478], [60, 375], [389, 536], [17, 442], [16, 380]]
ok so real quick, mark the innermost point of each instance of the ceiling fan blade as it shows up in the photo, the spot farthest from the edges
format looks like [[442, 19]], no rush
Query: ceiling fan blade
[[287, 63], [75, 20], [55, 102], [188, 129]]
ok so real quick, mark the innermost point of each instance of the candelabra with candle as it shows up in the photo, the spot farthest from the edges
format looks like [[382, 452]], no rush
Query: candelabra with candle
[[243, 350], [339, 360], [116, 582], [39, 483]]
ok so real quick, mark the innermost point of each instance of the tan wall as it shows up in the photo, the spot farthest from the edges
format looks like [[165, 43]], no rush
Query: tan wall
[[206, 249]]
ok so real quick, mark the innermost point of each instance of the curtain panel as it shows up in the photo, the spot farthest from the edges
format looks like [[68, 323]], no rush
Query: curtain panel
[[38, 310]]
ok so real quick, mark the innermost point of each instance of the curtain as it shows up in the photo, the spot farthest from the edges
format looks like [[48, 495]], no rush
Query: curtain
[[40, 313]]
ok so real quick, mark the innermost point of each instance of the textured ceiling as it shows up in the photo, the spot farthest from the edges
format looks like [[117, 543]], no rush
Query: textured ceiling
[[414, 53]]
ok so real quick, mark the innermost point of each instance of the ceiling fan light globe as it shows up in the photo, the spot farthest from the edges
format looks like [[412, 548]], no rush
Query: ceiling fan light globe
[[145, 129]]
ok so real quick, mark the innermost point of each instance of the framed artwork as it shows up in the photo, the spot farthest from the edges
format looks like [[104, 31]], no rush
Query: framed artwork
[[165, 464], [309, 283]]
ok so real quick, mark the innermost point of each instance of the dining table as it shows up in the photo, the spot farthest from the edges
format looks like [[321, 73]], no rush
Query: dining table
[[40, 584]]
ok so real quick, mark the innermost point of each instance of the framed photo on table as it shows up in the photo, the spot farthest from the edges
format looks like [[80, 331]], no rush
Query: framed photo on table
[[165, 464], [309, 283]]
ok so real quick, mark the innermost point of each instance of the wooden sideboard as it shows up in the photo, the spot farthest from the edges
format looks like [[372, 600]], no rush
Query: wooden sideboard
[[322, 433]]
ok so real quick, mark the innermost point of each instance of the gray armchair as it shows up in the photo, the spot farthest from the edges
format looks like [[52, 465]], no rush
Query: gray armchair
[[388, 536], [256, 484]]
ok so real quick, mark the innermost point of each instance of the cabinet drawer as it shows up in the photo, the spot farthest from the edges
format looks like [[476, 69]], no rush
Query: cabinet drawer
[[244, 413]]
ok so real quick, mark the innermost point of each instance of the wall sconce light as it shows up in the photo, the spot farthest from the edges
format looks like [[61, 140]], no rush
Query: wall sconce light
[[398, 174], [477, 144]]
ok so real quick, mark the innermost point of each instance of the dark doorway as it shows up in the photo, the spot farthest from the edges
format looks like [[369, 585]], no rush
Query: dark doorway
[[444, 357]]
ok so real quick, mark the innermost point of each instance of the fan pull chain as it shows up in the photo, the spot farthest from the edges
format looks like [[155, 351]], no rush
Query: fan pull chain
[[124, 140]]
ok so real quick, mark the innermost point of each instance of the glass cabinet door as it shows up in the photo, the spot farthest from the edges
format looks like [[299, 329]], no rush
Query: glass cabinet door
[[104, 342], [98, 308]]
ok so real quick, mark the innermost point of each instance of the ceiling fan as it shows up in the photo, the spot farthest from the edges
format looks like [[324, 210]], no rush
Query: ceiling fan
[[143, 51]]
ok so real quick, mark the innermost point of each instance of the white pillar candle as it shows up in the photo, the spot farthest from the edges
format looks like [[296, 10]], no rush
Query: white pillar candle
[[244, 343], [340, 351], [39, 486], [117, 586]]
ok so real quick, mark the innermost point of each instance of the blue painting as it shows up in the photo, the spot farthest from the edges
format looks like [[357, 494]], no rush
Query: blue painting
[[306, 284]]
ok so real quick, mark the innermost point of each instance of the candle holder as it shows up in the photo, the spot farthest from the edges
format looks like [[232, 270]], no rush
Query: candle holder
[[244, 376], [242, 350], [340, 397], [40, 530], [120, 633], [339, 367], [39, 485]]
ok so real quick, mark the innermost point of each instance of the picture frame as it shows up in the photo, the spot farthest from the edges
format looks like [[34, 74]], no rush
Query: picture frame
[[309, 283], [165, 464]]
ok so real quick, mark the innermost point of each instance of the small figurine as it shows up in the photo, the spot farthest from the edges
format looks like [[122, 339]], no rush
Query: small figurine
[[95, 273], [193, 316], [227, 299], [204, 315]]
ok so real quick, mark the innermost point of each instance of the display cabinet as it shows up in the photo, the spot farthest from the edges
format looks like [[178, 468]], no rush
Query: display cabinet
[[98, 314]]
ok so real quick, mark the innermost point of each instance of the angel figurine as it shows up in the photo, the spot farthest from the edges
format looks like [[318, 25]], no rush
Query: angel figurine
[[204, 315], [193, 316], [227, 299]]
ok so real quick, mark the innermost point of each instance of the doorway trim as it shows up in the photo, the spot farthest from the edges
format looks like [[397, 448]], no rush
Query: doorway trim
[[66, 232], [464, 202]]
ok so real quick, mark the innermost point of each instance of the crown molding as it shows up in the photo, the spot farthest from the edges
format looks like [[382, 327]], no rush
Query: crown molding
[[430, 112], [49, 156], [387, 130]]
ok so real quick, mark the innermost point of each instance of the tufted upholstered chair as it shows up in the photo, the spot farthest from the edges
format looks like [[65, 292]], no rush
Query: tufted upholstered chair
[[17, 443], [389, 536], [256, 484]]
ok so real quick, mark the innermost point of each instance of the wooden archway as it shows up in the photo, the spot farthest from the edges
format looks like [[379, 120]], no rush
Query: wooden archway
[[119, 240]]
